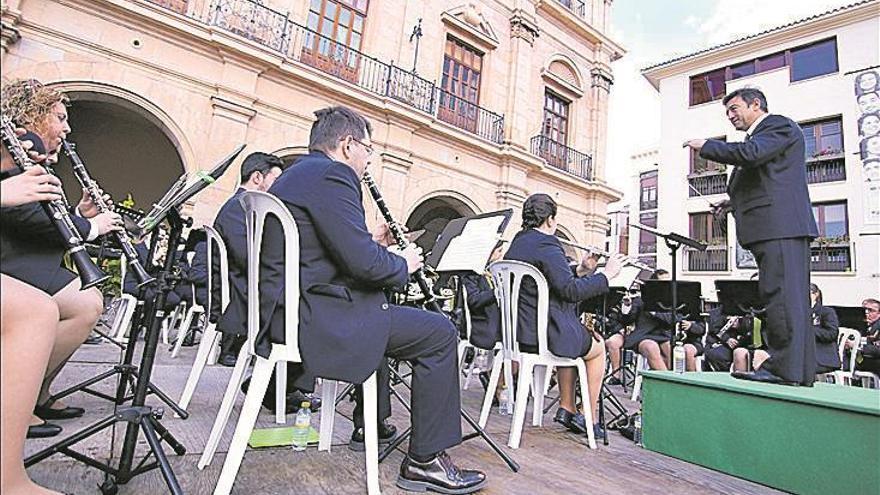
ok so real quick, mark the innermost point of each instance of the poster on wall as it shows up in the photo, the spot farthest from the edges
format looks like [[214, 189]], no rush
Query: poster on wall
[[867, 94]]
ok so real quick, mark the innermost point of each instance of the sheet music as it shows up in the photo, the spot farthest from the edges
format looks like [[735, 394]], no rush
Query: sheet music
[[471, 249], [625, 278]]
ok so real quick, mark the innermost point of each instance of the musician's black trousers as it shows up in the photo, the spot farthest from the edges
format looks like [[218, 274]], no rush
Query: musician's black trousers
[[429, 342], [784, 285]]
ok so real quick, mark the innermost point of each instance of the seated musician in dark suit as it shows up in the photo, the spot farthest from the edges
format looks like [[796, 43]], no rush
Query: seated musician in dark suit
[[730, 342], [619, 318], [869, 354], [347, 328], [537, 245], [826, 328], [198, 273], [31, 249], [485, 314], [653, 331]]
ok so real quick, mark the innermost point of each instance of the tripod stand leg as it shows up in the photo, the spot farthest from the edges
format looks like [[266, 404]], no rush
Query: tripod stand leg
[[178, 411], [166, 436], [480, 432], [71, 440], [81, 386], [146, 425]]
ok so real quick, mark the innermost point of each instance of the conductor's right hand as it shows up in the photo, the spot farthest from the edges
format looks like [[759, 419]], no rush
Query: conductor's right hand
[[107, 222], [614, 265], [412, 254]]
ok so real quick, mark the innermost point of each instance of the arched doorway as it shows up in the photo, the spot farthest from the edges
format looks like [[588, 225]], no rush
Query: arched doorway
[[124, 147], [432, 215]]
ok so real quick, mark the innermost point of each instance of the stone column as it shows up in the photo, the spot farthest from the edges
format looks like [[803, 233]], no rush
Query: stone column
[[600, 87], [523, 31]]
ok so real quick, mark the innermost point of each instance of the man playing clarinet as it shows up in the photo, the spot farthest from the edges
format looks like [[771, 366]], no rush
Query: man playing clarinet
[[771, 205], [347, 326]]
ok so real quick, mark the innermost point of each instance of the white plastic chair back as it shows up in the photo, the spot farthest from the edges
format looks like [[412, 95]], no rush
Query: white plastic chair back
[[215, 241], [508, 276], [257, 206], [845, 335]]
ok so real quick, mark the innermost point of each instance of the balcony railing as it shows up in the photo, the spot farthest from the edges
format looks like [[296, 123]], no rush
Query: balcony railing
[[713, 259], [830, 259], [705, 185], [576, 6], [469, 116], [560, 156], [819, 170], [645, 248], [276, 31]]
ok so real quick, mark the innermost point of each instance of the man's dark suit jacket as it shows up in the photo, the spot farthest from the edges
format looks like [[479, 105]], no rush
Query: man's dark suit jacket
[[658, 326], [566, 335], [344, 319], [229, 223], [31, 249], [826, 338], [768, 187], [485, 314], [198, 273]]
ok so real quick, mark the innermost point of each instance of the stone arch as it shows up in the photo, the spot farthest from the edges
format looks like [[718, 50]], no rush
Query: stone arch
[[563, 68], [130, 145], [434, 211]]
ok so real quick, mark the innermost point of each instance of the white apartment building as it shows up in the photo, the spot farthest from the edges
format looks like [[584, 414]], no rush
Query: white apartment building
[[807, 70]]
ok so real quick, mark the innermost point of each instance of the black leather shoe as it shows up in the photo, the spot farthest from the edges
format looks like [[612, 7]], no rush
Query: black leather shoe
[[598, 431], [227, 360], [46, 412], [763, 376], [297, 397], [43, 430], [387, 433], [575, 422], [439, 475]]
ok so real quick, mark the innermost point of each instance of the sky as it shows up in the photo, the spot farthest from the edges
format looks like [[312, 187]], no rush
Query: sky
[[654, 31]]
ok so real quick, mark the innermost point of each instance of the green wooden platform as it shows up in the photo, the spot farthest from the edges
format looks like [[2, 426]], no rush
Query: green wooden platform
[[819, 440]]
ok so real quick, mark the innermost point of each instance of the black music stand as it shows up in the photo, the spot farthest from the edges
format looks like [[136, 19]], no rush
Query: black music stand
[[673, 242], [680, 298], [739, 297], [851, 317], [460, 249], [138, 416]]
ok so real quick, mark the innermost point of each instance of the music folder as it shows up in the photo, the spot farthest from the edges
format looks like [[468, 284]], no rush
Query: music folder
[[466, 243]]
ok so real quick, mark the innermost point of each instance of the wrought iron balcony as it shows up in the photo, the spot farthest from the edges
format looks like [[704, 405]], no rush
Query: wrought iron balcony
[[826, 170], [576, 6], [830, 259], [276, 31], [713, 259], [560, 156], [707, 184]]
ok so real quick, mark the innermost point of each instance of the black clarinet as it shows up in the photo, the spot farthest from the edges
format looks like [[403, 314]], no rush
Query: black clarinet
[[121, 236], [400, 238], [57, 211]]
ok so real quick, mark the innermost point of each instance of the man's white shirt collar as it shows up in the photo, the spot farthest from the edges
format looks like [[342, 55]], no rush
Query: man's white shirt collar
[[751, 130]]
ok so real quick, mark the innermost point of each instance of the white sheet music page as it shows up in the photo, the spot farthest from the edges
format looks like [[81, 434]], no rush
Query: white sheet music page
[[625, 278], [471, 249]]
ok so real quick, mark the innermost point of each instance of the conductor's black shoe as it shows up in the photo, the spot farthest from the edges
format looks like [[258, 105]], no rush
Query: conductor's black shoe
[[43, 430], [227, 360], [387, 433], [46, 412], [763, 376], [575, 422], [439, 475]]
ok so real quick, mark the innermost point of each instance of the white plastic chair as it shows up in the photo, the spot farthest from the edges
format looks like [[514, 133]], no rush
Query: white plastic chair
[[124, 313], [257, 207], [210, 337], [508, 276], [464, 343], [641, 365]]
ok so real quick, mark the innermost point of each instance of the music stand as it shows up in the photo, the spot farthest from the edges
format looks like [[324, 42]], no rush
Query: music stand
[[673, 242], [465, 245], [739, 297], [138, 415], [851, 317]]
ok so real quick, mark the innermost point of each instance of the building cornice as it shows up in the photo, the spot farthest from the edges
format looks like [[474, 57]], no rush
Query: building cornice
[[770, 41], [581, 28]]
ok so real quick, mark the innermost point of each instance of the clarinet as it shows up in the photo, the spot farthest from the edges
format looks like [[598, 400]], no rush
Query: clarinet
[[121, 237], [400, 238], [57, 211]]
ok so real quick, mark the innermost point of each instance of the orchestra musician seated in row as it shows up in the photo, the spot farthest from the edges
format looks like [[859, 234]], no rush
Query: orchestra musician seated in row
[[347, 327], [483, 306], [32, 251], [28, 325], [730, 346], [825, 326], [653, 330], [537, 245], [619, 319], [869, 353]]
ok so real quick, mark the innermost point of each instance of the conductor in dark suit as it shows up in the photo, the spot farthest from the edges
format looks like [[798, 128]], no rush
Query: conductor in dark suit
[[346, 325], [771, 205]]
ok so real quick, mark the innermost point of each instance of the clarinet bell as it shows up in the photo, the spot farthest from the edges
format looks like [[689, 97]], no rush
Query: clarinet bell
[[89, 273], [143, 278]]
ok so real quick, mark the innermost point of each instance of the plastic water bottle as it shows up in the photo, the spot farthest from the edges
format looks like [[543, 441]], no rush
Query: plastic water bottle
[[301, 426], [503, 402], [678, 360], [637, 433]]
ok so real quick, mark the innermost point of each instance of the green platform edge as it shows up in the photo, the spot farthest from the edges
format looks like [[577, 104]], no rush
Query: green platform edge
[[819, 440]]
